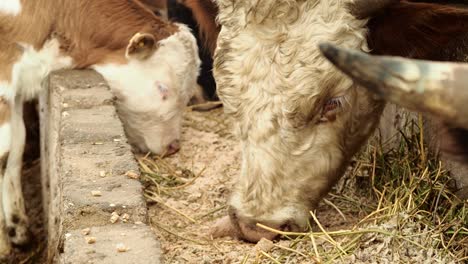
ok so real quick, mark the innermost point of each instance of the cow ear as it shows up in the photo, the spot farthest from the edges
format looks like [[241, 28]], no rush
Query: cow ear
[[141, 46]]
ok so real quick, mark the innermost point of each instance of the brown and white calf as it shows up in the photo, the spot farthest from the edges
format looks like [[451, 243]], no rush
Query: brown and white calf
[[300, 120], [150, 65]]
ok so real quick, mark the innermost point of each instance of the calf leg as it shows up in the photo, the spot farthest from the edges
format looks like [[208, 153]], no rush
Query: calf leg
[[13, 202], [5, 141]]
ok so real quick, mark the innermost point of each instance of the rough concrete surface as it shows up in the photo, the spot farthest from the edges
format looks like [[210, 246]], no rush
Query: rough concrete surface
[[136, 242], [85, 157]]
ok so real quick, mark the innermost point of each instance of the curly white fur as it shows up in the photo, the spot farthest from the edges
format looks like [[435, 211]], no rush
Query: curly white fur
[[274, 81]]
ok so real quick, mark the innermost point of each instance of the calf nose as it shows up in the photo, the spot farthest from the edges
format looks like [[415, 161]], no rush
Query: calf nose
[[173, 147]]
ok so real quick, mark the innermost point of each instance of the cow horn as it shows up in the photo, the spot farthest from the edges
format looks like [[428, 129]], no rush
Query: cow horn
[[437, 88]]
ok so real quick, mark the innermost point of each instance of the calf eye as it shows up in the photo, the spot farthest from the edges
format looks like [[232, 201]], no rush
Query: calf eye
[[330, 109]]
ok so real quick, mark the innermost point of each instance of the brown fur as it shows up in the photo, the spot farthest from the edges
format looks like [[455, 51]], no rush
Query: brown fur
[[5, 111], [453, 141], [155, 4], [3, 162], [365, 8], [416, 30], [91, 32], [9, 53], [205, 12]]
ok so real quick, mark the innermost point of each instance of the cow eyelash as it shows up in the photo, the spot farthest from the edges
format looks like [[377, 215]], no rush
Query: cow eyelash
[[331, 108], [333, 104]]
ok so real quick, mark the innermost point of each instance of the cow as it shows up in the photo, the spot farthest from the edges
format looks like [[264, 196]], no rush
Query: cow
[[298, 119], [438, 89], [150, 65]]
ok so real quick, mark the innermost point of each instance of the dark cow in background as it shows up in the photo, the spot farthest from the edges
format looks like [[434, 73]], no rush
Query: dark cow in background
[[299, 120]]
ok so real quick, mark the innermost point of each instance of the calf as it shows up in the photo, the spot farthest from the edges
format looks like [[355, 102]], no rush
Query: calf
[[299, 120], [150, 65]]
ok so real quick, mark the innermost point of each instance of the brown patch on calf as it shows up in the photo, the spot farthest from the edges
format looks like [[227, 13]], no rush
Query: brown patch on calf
[[155, 5], [9, 54], [5, 111], [119, 22], [91, 32]]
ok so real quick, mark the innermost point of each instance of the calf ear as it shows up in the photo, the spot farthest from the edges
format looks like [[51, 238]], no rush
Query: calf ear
[[141, 46]]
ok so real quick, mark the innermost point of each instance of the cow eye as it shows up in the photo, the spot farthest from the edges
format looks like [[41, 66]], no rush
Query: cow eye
[[332, 104], [330, 109]]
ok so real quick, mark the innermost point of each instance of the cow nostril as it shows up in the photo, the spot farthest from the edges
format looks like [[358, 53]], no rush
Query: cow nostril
[[173, 147], [248, 230], [286, 227], [175, 144]]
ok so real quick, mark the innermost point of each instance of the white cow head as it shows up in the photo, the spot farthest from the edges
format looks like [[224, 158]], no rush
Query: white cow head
[[298, 119], [153, 87]]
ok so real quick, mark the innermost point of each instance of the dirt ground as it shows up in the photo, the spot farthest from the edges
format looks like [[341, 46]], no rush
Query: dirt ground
[[184, 216]]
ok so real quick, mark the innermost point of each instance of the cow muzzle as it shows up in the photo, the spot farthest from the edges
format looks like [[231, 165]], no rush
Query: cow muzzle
[[248, 229]]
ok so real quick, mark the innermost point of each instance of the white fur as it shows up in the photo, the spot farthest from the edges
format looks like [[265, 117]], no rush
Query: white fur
[[6, 91], [12, 196], [150, 122], [272, 78], [34, 66], [5, 138], [10, 7]]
